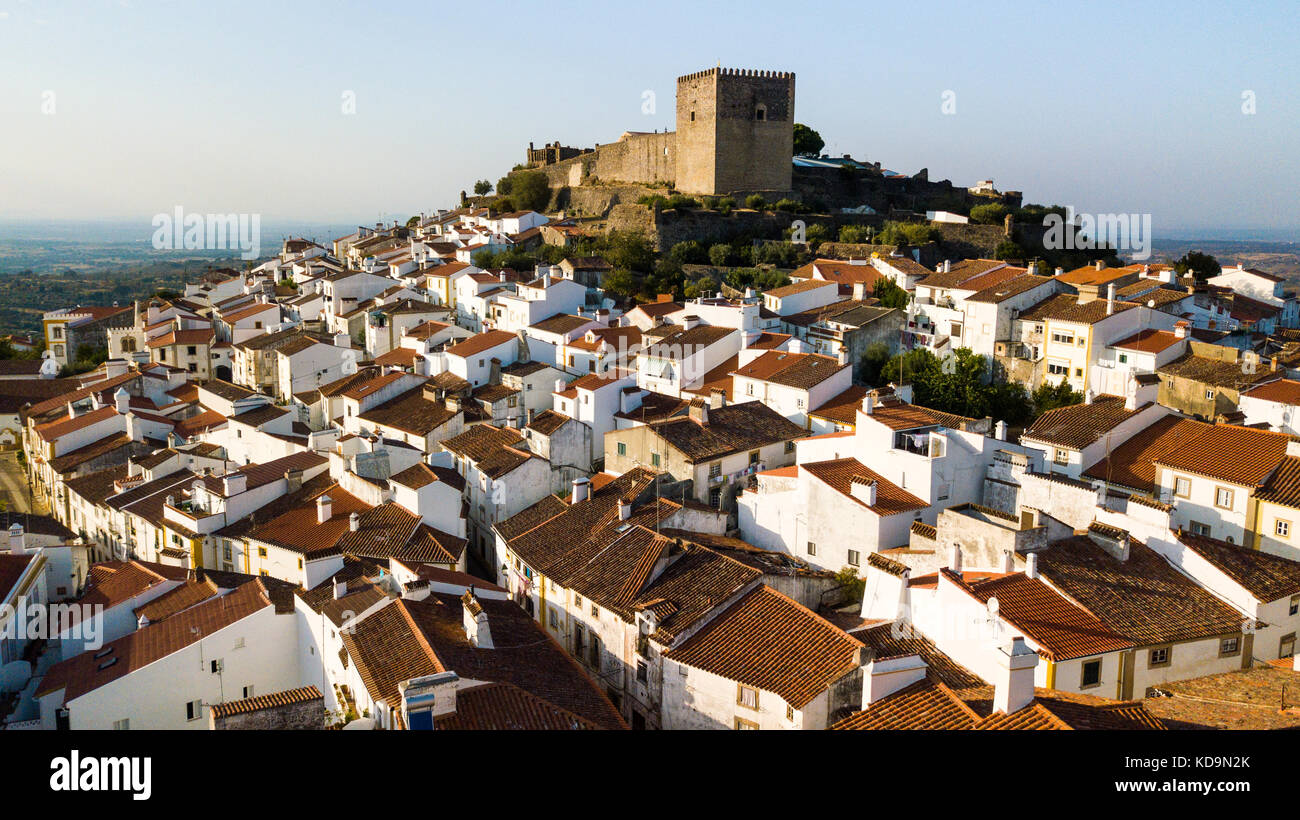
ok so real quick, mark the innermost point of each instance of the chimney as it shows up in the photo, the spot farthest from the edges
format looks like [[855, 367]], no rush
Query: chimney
[[863, 489], [475, 620], [698, 411], [1110, 298], [690, 321], [234, 483], [17, 543], [717, 398], [1031, 566], [869, 403], [1060, 271], [426, 698], [340, 589], [293, 480], [954, 558], [624, 509], [1180, 329], [1100, 264], [1112, 539], [354, 522], [122, 401], [324, 509], [1000, 431], [1014, 689], [947, 266], [1008, 561], [342, 340], [581, 490]]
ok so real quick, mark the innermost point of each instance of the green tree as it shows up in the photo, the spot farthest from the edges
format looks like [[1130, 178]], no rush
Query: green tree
[[907, 233], [991, 214], [631, 251], [1202, 265], [874, 359], [807, 142], [1007, 249], [755, 202], [690, 252], [529, 190], [413, 221], [890, 294], [719, 255], [622, 282], [482, 187], [855, 233], [1050, 396]]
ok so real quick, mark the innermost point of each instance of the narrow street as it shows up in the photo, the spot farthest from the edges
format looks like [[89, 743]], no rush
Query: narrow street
[[13, 484]]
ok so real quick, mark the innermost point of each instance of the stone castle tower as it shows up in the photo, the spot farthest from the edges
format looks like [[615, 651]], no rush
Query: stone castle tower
[[735, 131]]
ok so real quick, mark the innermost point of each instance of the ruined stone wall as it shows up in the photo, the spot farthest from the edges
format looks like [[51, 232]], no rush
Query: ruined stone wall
[[306, 715]]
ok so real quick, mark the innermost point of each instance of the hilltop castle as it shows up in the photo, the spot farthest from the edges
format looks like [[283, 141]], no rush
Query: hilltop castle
[[735, 135]]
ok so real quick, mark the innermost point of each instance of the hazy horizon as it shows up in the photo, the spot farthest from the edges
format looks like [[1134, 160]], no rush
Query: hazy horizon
[[238, 108]]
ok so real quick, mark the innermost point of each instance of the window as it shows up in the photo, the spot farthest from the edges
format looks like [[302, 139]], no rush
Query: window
[[749, 389], [577, 601], [789, 446], [622, 448], [579, 640], [194, 710], [125, 723], [745, 725], [1286, 646], [760, 113], [654, 459], [1182, 487], [1091, 674], [789, 713], [799, 403], [1057, 369], [595, 610], [1229, 646], [1078, 371], [1158, 657], [1223, 497], [1198, 528], [854, 558], [715, 469], [1063, 338], [746, 696], [228, 555], [1209, 393], [1062, 456], [1295, 604], [261, 552], [642, 672], [753, 457], [1123, 358], [812, 548], [248, 692], [715, 498]]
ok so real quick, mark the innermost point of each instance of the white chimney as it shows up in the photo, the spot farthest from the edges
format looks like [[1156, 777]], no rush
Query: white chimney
[[1180, 330], [947, 266], [690, 321], [868, 403], [954, 558], [1008, 561], [233, 484], [1031, 566], [581, 490], [1000, 431], [863, 489], [475, 620], [1014, 690], [354, 522], [1060, 271], [324, 509], [17, 543], [340, 589], [122, 401], [1110, 298], [624, 509]]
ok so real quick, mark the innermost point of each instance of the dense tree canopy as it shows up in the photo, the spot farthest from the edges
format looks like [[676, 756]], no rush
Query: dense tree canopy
[[807, 142]]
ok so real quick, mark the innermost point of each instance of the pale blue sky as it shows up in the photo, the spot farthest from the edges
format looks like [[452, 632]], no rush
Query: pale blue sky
[[235, 107]]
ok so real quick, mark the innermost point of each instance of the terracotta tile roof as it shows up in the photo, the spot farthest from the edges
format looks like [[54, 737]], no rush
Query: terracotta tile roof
[[430, 546], [1215, 372], [926, 704], [116, 582], [548, 422], [1285, 391], [770, 642], [1242, 699], [409, 638], [729, 429], [1004, 290], [1065, 307], [899, 415], [656, 309], [1266, 576], [1061, 628], [1144, 598], [506, 707], [382, 532], [288, 697], [12, 568], [560, 323], [97, 486], [52, 431], [1283, 487], [840, 474], [480, 343], [1079, 425], [194, 425], [399, 356], [843, 408], [298, 530], [1057, 710], [1089, 275], [411, 412], [798, 370], [805, 285], [92, 669], [180, 598], [421, 475], [1132, 464], [1241, 455], [1148, 341], [365, 388], [94, 450]]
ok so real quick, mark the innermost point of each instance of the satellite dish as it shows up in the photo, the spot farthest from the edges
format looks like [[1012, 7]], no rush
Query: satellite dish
[[993, 607]]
